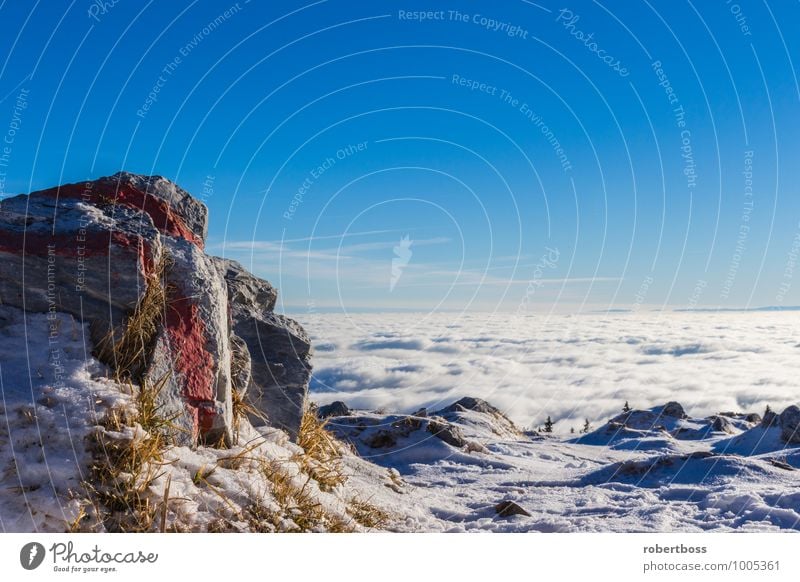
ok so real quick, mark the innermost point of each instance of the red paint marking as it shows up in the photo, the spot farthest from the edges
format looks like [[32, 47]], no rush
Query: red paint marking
[[187, 338], [206, 413], [160, 211], [65, 244], [187, 334]]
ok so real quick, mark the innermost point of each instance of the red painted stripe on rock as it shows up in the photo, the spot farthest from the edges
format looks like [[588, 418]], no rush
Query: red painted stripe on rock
[[93, 244], [164, 218], [187, 334]]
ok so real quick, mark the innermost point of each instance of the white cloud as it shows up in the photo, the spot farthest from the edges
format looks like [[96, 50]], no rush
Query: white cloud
[[569, 367]]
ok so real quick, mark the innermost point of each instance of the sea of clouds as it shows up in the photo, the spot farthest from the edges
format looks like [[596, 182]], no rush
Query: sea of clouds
[[570, 367]]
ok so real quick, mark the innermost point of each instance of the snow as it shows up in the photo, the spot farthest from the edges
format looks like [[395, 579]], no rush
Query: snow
[[568, 485], [52, 394], [642, 472], [572, 368], [54, 397]]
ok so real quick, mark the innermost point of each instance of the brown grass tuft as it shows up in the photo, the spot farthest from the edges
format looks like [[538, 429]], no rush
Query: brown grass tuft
[[367, 514], [322, 452], [129, 446], [242, 410], [127, 351], [295, 503]]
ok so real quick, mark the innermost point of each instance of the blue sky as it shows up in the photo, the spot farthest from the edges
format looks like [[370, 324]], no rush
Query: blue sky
[[532, 156]]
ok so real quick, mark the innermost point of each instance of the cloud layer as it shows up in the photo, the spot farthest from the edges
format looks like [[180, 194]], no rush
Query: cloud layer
[[568, 367]]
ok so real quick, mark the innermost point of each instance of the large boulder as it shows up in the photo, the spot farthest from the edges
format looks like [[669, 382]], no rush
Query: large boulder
[[280, 350], [192, 351], [72, 249], [125, 253]]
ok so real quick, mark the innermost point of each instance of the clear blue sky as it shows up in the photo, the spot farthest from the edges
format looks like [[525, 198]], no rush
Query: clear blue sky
[[510, 135]]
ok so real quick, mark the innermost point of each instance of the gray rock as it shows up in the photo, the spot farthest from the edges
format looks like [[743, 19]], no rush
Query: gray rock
[[280, 350], [789, 421], [470, 403], [770, 419], [91, 249], [752, 417], [721, 424], [337, 408], [246, 290], [380, 439], [193, 347], [496, 420], [61, 252], [174, 211], [447, 432], [509, 508], [674, 410]]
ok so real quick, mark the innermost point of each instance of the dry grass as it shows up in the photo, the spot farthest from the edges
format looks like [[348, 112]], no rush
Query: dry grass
[[77, 524], [367, 514], [238, 460], [130, 442], [295, 503], [121, 477], [150, 410], [127, 352], [322, 452], [242, 410], [129, 445]]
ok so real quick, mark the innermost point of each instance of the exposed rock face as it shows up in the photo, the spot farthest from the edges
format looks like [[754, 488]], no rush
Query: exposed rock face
[[470, 403], [751, 417], [770, 419], [280, 350], [337, 408], [125, 253], [498, 422], [245, 289], [721, 424], [448, 432], [82, 253], [509, 508], [789, 421], [673, 409]]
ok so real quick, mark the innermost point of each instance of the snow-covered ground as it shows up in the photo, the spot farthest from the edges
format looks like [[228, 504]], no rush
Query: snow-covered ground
[[54, 397], [52, 393], [445, 468], [608, 480], [569, 367]]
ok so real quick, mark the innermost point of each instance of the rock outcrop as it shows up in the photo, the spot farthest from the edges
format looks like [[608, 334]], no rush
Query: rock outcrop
[[509, 509], [126, 254], [279, 349], [337, 408], [789, 421]]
